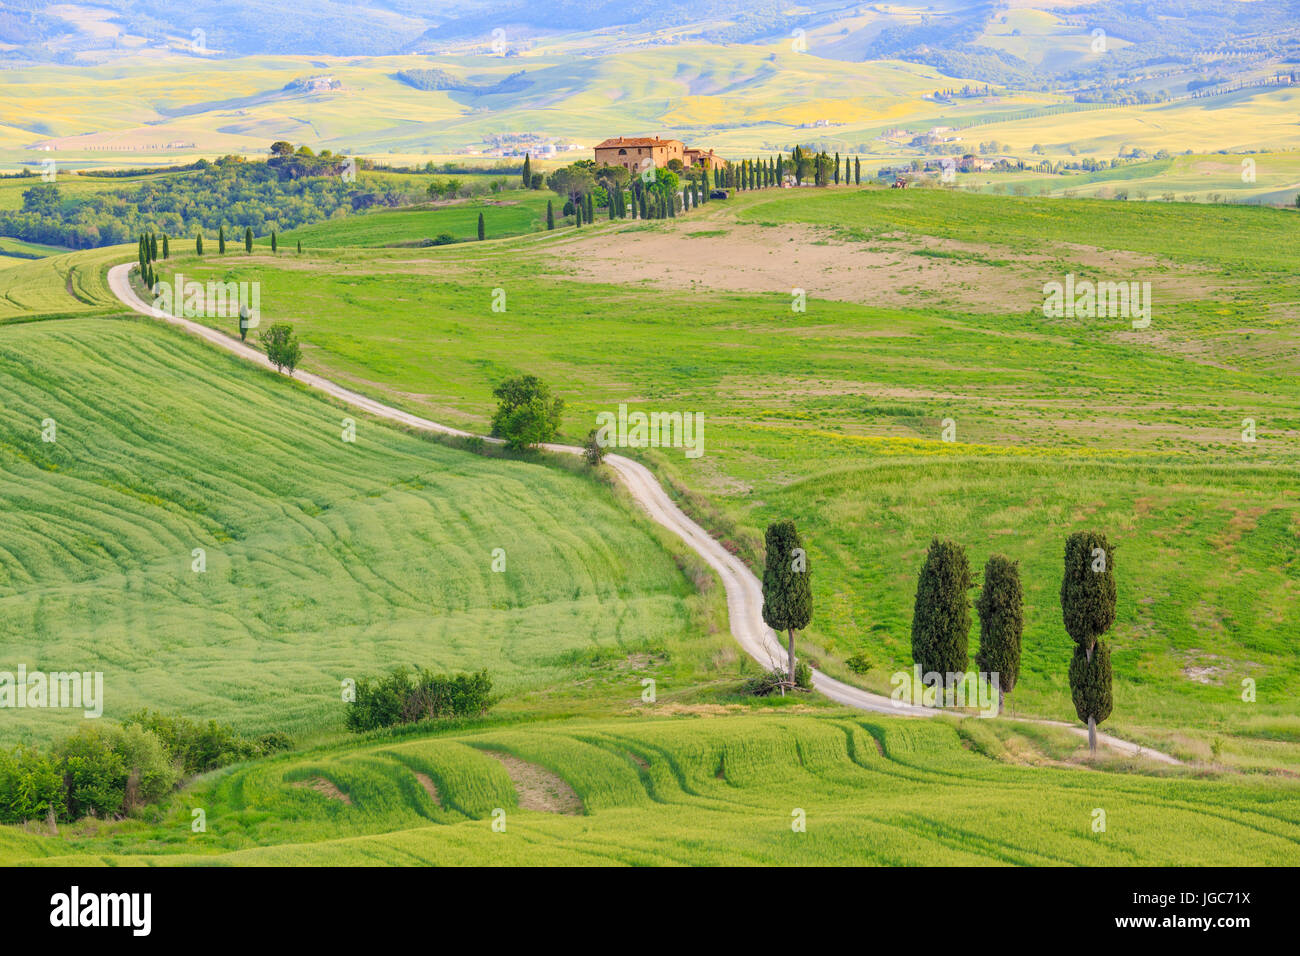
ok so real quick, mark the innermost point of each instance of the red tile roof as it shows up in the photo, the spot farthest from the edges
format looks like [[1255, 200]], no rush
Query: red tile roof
[[635, 141]]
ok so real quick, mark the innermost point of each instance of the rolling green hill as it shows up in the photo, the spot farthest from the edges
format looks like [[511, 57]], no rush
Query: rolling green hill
[[323, 559], [698, 791], [834, 416]]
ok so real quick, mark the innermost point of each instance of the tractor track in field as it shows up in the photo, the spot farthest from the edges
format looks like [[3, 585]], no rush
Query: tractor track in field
[[743, 590]]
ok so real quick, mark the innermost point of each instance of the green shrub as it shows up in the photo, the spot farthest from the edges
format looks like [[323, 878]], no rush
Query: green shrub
[[30, 786], [404, 698], [858, 663]]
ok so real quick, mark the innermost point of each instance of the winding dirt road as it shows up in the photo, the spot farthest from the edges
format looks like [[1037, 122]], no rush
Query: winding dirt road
[[744, 592]]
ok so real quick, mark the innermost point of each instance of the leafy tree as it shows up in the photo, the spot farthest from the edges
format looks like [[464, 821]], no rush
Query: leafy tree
[[941, 616], [787, 591], [482, 232], [572, 182], [526, 414], [1002, 619], [282, 347], [1088, 610], [248, 238]]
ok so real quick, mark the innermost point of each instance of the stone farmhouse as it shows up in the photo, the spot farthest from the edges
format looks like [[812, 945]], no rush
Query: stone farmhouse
[[631, 152]]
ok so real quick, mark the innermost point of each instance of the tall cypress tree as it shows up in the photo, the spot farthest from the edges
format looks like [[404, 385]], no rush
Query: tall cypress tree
[[167, 252], [482, 232], [299, 245], [1001, 607], [1088, 610], [273, 243], [248, 238], [941, 615], [198, 244], [221, 240], [857, 170], [550, 215], [153, 247], [787, 591], [527, 174], [837, 168]]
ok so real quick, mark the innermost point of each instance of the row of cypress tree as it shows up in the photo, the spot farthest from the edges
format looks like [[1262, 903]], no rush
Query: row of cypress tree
[[248, 241], [941, 619], [941, 616], [764, 173]]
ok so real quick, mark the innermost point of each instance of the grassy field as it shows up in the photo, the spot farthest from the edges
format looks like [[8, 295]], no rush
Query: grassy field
[[834, 416], [68, 284], [691, 791], [324, 559], [512, 214]]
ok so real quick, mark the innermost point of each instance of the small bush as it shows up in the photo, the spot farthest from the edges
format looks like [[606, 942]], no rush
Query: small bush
[[858, 663], [403, 697]]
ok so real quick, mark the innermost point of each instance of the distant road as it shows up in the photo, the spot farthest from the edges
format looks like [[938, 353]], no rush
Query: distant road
[[744, 592]]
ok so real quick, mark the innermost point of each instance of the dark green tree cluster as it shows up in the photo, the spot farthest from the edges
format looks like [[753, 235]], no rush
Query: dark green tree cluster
[[146, 256], [527, 414], [109, 770], [403, 697]]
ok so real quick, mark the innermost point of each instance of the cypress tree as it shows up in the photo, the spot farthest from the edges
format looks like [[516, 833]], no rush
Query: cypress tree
[[550, 215], [857, 170], [1090, 688], [591, 209], [221, 240], [1088, 611], [248, 238], [527, 175], [481, 231], [644, 211], [273, 245], [612, 203], [299, 245], [837, 169], [198, 244], [787, 591], [167, 251], [1001, 607], [941, 616], [153, 247]]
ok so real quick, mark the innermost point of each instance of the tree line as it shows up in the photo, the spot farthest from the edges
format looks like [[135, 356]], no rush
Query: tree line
[[941, 617]]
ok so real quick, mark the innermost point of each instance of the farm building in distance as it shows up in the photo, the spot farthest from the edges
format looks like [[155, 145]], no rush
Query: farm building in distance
[[630, 152]]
